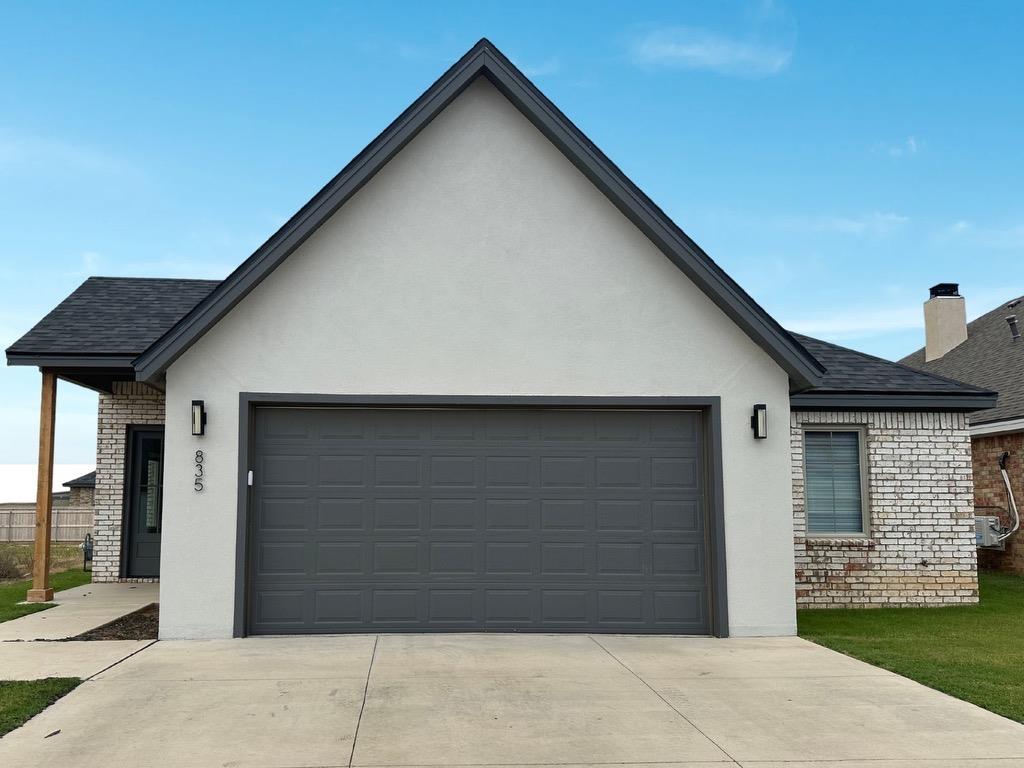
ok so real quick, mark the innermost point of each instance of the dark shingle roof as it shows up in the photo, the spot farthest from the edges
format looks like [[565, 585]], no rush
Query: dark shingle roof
[[113, 316], [989, 358], [124, 316], [87, 480], [850, 371]]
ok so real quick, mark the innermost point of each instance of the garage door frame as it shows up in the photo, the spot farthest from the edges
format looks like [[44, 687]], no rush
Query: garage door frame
[[712, 446]]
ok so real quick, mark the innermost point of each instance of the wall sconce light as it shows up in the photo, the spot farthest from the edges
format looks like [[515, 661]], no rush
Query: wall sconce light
[[198, 417], [759, 421]]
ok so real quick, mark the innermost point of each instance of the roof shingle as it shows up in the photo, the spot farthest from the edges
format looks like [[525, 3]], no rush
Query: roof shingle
[[123, 316], [850, 371], [989, 358], [119, 316]]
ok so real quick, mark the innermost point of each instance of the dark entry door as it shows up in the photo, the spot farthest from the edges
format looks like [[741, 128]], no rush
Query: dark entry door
[[145, 502], [468, 520]]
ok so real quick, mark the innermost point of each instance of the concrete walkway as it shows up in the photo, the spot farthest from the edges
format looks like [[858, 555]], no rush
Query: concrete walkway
[[79, 610], [34, 661], [508, 700]]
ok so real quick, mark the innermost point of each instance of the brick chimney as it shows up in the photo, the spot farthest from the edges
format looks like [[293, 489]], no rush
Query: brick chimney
[[945, 320]]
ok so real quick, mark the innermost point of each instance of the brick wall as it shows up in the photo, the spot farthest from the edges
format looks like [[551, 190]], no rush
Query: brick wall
[[990, 495], [920, 543], [81, 497], [131, 403]]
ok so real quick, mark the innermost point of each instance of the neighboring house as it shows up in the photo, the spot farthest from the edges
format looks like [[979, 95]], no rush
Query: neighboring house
[[481, 382], [81, 490], [989, 353]]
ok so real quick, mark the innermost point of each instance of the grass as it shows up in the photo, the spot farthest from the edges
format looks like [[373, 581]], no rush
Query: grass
[[21, 700], [63, 555], [13, 592], [971, 652]]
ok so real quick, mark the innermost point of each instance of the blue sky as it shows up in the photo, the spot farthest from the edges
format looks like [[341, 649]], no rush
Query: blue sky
[[835, 158]]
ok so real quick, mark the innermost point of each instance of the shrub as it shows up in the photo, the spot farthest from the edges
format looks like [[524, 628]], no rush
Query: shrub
[[12, 566]]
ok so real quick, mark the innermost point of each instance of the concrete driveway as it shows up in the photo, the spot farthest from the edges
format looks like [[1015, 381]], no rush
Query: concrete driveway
[[491, 700]]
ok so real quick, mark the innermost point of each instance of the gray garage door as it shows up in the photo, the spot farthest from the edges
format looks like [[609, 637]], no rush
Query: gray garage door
[[477, 519]]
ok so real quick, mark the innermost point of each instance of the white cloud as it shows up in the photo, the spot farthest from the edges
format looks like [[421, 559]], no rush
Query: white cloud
[[696, 48], [1005, 237], [875, 224], [33, 152], [548, 66], [857, 323], [905, 148]]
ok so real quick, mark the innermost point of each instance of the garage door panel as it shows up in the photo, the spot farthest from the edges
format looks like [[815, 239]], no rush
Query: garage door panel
[[449, 558], [281, 559], [452, 607], [346, 514], [446, 519], [565, 515], [454, 514], [671, 515], [340, 558], [403, 514], [285, 514], [348, 471], [509, 514], [333, 607], [396, 557]]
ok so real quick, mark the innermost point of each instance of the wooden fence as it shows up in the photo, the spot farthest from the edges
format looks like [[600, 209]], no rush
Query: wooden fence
[[18, 523]]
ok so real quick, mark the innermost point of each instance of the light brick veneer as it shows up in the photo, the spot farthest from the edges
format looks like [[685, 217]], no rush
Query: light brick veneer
[[131, 403], [920, 546]]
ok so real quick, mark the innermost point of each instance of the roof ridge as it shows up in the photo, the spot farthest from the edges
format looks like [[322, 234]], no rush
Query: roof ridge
[[153, 279]]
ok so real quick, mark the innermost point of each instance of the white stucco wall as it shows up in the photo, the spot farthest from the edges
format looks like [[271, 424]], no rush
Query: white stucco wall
[[478, 262]]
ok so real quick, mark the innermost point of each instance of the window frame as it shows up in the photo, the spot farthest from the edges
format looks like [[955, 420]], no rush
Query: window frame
[[865, 487]]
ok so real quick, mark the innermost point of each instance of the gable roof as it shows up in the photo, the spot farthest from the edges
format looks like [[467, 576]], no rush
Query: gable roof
[[852, 379], [856, 379], [989, 358], [485, 60], [111, 319], [88, 480], [92, 337]]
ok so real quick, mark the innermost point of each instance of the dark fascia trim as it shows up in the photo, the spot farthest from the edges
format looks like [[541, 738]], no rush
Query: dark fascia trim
[[484, 59], [893, 402], [712, 406], [75, 363]]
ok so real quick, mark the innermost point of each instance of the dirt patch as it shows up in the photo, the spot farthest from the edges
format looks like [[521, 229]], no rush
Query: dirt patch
[[140, 625]]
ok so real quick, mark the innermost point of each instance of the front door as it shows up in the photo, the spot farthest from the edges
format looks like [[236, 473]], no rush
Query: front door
[[145, 501]]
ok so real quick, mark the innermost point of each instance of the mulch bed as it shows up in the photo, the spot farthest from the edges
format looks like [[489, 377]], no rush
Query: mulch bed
[[140, 625]]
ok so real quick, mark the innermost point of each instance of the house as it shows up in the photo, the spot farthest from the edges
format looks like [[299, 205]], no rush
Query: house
[[81, 490], [989, 353], [481, 382]]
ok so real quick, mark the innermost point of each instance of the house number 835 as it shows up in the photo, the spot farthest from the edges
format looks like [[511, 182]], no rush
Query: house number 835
[[199, 471]]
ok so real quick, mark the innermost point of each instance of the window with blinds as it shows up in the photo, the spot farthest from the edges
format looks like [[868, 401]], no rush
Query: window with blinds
[[833, 482]]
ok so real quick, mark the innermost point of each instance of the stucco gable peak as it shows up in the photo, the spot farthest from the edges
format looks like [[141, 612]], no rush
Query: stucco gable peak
[[485, 60]]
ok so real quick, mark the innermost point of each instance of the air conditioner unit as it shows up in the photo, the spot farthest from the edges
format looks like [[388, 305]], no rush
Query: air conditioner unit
[[986, 532]]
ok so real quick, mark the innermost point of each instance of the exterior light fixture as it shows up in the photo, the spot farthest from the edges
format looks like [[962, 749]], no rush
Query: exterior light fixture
[[759, 421], [198, 417]]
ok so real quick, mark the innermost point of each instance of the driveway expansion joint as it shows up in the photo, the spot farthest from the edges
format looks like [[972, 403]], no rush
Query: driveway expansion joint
[[119, 661], [362, 706], [667, 702]]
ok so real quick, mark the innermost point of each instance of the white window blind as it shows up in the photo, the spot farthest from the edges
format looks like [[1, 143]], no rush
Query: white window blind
[[832, 473]]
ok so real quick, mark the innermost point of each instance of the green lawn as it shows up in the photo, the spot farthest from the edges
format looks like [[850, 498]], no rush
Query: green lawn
[[13, 592], [972, 652], [21, 700]]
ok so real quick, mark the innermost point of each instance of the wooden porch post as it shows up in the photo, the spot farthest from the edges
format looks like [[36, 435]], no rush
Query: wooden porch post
[[41, 591]]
